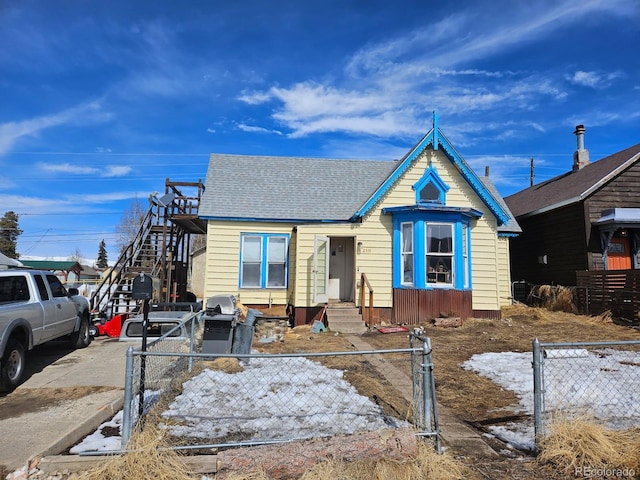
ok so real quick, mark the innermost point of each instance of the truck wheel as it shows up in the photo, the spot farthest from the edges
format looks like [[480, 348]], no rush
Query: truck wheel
[[12, 366], [81, 338], [93, 331]]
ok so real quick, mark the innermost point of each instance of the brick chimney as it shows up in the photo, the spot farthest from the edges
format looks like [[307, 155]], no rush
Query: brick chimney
[[581, 155]]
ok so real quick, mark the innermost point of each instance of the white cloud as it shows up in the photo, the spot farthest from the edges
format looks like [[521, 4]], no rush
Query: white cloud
[[253, 129], [72, 169], [76, 203], [593, 79], [391, 87], [117, 171], [12, 132]]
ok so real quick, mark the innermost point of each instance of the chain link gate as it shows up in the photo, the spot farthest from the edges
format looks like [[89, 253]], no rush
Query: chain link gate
[[596, 380], [224, 400]]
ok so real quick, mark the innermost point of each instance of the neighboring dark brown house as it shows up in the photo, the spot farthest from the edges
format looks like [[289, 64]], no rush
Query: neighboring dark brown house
[[585, 219]]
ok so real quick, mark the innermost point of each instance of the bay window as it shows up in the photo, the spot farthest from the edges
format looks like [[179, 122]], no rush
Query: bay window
[[432, 246]]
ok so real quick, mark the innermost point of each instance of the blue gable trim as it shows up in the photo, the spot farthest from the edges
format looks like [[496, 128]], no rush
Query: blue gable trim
[[436, 139], [508, 235], [405, 163], [473, 180]]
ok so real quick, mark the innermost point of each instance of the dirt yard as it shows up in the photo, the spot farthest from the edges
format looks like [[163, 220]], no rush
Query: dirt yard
[[475, 400]]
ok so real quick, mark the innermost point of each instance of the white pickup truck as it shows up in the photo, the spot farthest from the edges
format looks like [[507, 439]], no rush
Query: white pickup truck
[[35, 307]]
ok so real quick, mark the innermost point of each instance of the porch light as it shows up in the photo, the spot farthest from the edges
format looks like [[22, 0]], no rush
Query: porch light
[[359, 248]]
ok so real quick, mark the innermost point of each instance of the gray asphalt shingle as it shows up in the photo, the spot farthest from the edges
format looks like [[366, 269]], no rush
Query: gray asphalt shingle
[[289, 188]]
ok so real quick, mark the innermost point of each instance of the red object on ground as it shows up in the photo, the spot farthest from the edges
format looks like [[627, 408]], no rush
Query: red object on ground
[[399, 328], [113, 326]]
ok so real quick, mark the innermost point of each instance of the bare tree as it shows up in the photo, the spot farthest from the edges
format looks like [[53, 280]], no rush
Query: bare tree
[[76, 256], [130, 223]]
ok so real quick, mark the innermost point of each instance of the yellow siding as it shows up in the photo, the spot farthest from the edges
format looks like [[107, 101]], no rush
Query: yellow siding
[[504, 271], [223, 262], [490, 264]]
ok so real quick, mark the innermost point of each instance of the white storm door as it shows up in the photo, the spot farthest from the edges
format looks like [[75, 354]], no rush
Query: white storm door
[[320, 269]]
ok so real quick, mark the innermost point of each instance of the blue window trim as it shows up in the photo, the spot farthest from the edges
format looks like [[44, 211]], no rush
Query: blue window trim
[[458, 220], [431, 176], [263, 260]]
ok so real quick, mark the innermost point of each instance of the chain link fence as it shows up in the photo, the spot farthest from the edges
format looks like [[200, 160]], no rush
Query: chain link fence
[[596, 380], [210, 401]]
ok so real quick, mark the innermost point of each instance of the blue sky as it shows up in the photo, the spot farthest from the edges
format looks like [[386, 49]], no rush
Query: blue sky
[[101, 101]]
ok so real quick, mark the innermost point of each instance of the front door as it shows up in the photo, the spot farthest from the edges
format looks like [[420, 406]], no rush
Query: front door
[[618, 254], [341, 269], [320, 269]]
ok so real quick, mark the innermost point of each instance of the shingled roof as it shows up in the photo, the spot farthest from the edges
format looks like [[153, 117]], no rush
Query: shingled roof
[[573, 186], [512, 226], [289, 188]]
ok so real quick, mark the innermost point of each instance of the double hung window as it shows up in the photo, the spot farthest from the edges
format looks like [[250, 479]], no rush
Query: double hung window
[[407, 253], [263, 259], [439, 253]]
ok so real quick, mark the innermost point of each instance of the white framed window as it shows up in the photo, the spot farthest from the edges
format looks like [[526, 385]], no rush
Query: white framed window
[[465, 256], [439, 254], [276, 262], [406, 240]]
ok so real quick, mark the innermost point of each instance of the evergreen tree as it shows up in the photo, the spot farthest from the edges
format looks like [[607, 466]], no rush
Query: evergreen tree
[[102, 255], [9, 233]]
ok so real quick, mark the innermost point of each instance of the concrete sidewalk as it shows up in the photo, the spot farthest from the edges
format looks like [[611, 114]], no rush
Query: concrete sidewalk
[[50, 427], [453, 433]]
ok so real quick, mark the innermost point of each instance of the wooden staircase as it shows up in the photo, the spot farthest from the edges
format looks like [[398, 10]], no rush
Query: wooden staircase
[[160, 248], [345, 318]]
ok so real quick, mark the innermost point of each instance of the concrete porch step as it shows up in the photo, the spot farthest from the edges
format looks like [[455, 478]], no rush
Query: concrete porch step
[[345, 319]]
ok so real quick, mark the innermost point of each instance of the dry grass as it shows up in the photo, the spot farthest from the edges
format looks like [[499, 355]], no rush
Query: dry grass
[[146, 460], [425, 465], [554, 297], [475, 398], [469, 396], [259, 475], [578, 443]]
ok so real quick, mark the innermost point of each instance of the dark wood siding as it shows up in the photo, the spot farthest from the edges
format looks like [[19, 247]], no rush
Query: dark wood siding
[[558, 234], [621, 192]]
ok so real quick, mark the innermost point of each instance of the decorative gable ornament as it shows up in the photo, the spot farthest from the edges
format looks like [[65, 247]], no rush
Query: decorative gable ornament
[[431, 188]]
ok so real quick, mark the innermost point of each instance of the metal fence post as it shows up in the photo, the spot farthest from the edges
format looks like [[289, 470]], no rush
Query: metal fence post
[[435, 428], [426, 384], [191, 341], [128, 399], [537, 392]]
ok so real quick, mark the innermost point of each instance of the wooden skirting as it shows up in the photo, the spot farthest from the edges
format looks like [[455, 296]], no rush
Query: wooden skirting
[[412, 307], [487, 314]]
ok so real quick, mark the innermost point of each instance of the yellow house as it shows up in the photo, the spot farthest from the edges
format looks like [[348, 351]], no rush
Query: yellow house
[[419, 237]]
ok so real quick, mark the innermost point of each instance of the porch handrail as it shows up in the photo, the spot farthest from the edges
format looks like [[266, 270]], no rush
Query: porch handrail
[[368, 317]]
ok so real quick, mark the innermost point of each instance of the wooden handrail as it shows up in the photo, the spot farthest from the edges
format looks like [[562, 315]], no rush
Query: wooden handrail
[[367, 311]]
